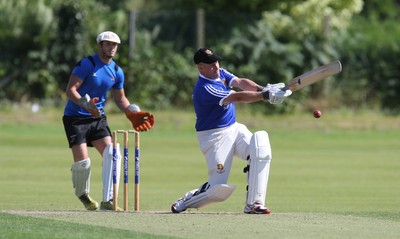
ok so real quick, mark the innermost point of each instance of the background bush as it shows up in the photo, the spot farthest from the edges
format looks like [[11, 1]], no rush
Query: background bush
[[267, 42]]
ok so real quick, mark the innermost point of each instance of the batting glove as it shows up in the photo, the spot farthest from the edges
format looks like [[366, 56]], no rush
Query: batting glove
[[90, 105], [275, 93]]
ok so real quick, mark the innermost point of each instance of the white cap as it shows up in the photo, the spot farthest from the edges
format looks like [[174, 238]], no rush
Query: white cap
[[108, 36]]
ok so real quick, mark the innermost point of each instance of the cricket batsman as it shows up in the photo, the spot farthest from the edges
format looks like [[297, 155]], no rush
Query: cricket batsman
[[221, 137]]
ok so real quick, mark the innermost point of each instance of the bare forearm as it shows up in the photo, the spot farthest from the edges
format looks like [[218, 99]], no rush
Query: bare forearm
[[72, 89], [246, 84], [244, 97], [120, 99], [122, 103], [73, 95]]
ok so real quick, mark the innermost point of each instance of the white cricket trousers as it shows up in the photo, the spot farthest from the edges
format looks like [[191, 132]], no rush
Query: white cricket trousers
[[219, 146]]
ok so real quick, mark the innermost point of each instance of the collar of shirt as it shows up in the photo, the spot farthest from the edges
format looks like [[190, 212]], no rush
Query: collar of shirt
[[216, 79]]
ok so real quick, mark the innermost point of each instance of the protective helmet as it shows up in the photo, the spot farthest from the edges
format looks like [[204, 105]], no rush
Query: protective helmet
[[108, 36]]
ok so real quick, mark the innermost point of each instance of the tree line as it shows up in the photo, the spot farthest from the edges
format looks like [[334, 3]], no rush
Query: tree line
[[41, 41]]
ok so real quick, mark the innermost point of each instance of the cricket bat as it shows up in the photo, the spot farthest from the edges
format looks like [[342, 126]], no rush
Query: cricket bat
[[314, 76]]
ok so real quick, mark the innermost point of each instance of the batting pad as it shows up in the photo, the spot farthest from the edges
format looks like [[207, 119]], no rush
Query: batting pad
[[260, 159], [216, 193], [107, 171], [81, 177]]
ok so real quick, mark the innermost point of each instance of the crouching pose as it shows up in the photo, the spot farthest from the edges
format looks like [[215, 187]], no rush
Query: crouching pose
[[84, 120], [221, 137]]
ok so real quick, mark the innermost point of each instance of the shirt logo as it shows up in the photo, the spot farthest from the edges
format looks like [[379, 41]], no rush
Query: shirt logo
[[226, 106], [220, 168], [225, 83], [208, 52]]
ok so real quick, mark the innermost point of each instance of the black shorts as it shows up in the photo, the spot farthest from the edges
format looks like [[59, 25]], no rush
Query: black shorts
[[85, 130]]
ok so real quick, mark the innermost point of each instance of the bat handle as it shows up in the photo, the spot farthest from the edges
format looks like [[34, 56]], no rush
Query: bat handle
[[285, 88]]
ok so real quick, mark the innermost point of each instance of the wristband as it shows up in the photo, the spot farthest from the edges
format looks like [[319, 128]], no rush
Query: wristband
[[83, 101], [265, 95]]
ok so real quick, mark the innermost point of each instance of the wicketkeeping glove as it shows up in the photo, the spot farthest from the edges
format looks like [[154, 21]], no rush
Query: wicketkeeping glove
[[89, 105], [141, 121]]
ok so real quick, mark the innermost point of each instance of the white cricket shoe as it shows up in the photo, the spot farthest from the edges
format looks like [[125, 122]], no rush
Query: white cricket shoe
[[256, 208], [179, 206]]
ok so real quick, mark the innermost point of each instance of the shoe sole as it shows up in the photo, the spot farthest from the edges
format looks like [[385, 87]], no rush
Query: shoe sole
[[255, 212], [174, 210], [90, 208]]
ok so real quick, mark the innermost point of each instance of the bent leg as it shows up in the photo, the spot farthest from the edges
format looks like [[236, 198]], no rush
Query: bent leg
[[206, 195]]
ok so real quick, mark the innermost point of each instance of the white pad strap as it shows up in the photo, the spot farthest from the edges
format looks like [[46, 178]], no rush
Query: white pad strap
[[216, 193], [81, 177], [260, 158], [107, 171]]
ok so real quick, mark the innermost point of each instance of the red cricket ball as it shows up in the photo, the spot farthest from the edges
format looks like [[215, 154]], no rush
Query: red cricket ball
[[317, 113]]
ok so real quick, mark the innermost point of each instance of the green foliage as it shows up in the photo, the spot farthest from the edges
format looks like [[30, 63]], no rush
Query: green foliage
[[46, 40], [162, 83], [372, 76], [282, 45], [313, 17], [267, 41], [378, 10], [23, 46], [211, 5]]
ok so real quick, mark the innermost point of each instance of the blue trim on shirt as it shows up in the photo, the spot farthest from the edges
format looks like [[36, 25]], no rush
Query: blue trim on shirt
[[208, 95]]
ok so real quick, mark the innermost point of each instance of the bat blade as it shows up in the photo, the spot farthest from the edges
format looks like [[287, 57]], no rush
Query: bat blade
[[314, 76]]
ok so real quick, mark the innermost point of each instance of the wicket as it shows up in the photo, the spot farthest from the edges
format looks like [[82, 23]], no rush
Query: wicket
[[126, 169]]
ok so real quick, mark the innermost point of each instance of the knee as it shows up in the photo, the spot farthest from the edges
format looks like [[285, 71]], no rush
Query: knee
[[218, 175], [260, 147]]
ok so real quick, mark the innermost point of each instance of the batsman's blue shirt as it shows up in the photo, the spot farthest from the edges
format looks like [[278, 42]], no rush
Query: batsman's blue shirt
[[97, 79], [208, 95]]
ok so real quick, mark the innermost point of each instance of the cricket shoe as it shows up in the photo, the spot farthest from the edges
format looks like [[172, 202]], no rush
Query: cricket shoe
[[88, 202], [256, 208], [179, 206], [109, 206]]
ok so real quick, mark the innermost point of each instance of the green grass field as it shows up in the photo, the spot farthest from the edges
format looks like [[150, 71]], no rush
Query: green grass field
[[335, 177]]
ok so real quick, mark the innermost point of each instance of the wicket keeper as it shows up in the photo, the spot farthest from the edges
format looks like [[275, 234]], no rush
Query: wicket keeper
[[85, 122]]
